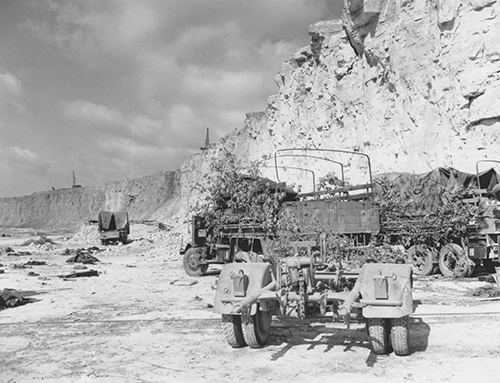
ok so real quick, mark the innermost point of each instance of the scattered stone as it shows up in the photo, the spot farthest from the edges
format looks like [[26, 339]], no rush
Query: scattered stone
[[84, 258], [33, 274], [125, 265], [79, 267], [20, 266], [486, 292], [2, 271], [35, 263], [13, 253], [42, 240]]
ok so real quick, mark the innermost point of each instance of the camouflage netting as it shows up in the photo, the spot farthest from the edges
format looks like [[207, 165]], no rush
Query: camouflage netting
[[429, 191]]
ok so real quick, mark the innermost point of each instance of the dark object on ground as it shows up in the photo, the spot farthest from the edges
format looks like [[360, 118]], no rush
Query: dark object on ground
[[486, 278], [20, 266], [84, 258], [33, 274], [79, 267], [13, 298], [1, 265], [486, 292], [113, 226], [2, 271], [42, 240], [35, 263], [81, 250], [90, 273], [14, 253], [7, 250]]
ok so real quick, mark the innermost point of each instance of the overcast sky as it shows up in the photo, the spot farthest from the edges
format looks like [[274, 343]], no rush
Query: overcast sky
[[115, 88]]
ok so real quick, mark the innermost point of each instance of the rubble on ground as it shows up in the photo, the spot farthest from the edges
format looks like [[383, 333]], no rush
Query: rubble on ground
[[41, 240], [84, 258]]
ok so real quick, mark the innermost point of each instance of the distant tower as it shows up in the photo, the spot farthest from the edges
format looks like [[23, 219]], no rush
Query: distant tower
[[207, 140], [74, 182]]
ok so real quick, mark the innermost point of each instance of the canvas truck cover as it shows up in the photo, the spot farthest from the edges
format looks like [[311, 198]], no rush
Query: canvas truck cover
[[431, 190], [113, 220]]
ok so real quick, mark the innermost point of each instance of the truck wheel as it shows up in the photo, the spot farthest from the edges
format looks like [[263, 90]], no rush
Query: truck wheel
[[191, 263], [400, 335], [453, 262], [421, 257], [256, 329], [378, 330], [231, 327]]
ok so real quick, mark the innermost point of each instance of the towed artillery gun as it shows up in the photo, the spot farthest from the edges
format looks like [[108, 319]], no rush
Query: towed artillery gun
[[250, 293]]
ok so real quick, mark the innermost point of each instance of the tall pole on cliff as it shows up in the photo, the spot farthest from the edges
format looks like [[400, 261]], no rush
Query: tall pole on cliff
[[207, 140]]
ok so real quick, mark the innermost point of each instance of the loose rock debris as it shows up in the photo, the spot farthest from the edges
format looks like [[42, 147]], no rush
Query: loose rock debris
[[35, 263], [84, 258], [42, 240]]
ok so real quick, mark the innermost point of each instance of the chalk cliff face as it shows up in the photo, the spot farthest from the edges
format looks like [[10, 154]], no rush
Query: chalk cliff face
[[413, 83], [150, 197]]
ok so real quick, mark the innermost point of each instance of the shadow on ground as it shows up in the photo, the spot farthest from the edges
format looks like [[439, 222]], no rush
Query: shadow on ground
[[292, 334]]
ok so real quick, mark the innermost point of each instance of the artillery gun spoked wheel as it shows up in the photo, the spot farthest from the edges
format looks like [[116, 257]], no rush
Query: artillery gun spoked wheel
[[256, 329], [400, 335], [422, 258], [191, 263], [231, 327], [453, 262], [378, 330]]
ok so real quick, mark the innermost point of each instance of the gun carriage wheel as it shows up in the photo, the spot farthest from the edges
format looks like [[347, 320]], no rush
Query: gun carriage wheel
[[256, 328]]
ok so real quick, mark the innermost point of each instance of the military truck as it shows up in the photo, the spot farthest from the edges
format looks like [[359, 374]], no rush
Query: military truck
[[113, 227], [483, 235], [311, 274]]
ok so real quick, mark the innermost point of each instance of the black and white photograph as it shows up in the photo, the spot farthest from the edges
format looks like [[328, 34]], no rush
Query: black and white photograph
[[249, 191]]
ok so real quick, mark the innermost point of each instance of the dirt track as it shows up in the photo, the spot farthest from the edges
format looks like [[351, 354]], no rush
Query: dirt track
[[131, 324]]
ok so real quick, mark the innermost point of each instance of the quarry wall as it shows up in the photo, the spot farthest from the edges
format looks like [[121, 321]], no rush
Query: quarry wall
[[151, 197]]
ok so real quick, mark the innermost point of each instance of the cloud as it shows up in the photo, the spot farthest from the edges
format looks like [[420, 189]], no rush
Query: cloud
[[21, 165], [86, 111], [114, 87], [11, 92]]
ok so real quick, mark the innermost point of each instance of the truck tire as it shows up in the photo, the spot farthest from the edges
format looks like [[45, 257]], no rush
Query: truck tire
[[378, 330], [231, 327], [422, 259], [256, 329], [191, 263], [400, 336], [453, 262]]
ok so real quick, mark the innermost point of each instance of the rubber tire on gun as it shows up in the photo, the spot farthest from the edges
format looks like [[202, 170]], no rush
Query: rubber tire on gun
[[256, 329], [400, 335], [231, 327], [378, 331]]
